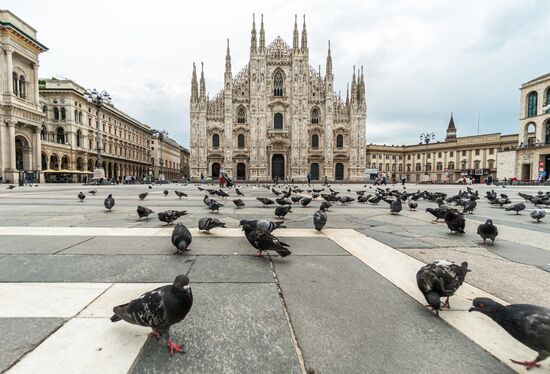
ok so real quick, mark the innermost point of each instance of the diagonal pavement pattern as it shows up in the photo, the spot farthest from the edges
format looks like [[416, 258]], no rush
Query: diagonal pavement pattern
[[345, 301]]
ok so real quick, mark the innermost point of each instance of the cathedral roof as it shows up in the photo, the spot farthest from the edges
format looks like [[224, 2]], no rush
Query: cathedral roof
[[279, 51]]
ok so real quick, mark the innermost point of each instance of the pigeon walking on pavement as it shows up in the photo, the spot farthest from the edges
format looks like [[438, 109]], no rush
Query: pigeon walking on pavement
[[266, 201], [282, 211], [181, 238], [264, 241], [109, 202], [93, 192], [81, 196], [207, 224], [529, 324], [455, 221], [143, 195], [319, 219], [169, 216], [238, 203], [412, 205], [180, 194], [159, 309], [440, 279], [516, 208], [165, 192], [263, 224], [487, 231], [143, 212], [538, 214]]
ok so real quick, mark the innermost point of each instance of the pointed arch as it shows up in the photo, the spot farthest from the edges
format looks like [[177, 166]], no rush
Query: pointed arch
[[278, 82]]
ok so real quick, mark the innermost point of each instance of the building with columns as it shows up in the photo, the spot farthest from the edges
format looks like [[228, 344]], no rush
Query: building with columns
[[166, 158], [474, 156], [21, 116], [278, 117], [69, 136]]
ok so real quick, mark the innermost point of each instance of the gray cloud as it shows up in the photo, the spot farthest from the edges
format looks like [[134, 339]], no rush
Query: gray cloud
[[422, 59]]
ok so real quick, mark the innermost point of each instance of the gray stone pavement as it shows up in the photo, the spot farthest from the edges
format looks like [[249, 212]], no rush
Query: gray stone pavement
[[320, 306]]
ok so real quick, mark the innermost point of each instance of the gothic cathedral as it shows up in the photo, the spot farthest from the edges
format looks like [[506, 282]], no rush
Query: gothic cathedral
[[278, 118]]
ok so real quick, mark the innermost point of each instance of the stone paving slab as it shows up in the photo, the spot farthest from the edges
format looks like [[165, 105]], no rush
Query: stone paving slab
[[232, 328], [396, 240], [38, 244], [22, 335], [380, 338], [231, 269], [93, 268]]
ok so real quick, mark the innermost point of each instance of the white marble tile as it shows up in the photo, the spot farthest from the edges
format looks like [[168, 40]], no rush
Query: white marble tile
[[86, 345], [47, 299]]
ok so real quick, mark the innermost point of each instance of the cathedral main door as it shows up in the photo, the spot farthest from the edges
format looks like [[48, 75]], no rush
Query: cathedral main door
[[278, 166]]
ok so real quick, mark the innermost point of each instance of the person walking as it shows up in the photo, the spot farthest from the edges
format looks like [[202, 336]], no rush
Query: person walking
[[384, 179], [202, 178], [309, 179], [326, 181], [403, 180]]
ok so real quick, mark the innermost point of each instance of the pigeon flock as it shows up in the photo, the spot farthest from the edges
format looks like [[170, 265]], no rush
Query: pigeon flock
[[165, 306]]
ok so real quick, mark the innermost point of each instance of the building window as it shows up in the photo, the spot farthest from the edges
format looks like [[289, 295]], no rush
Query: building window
[[408, 168], [477, 152], [56, 113], [215, 141], [418, 167], [463, 164], [418, 156], [387, 157], [43, 133], [22, 87], [547, 100], [428, 167], [532, 104], [15, 84], [78, 138], [429, 155], [278, 121], [400, 167], [278, 81], [439, 155], [451, 154], [408, 157], [463, 153], [315, 116], [476, 164], [451, 166], [63, 114], [240, 141], [241, 115], [439, 166], [60, 135], [491, 164], [491, 151], [315, 141], [547, 133], [339, 141]]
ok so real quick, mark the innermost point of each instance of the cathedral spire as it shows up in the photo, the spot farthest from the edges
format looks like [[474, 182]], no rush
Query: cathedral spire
[[329, 62], [361, 93], [353, 87], [203, 83], [228, 59], [304, 37], [253, 35], [194, 86], [295, 46], [347, 94], [262, 36]]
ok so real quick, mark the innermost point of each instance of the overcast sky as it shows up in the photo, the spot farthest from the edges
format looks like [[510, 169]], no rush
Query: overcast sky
[[422, 59]]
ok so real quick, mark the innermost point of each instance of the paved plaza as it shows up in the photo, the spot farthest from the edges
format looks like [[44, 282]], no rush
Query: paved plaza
[[345, 301]]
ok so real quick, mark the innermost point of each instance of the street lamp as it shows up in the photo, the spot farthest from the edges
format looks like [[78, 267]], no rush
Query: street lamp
[[427, 138], [98, 99], [160, 136]]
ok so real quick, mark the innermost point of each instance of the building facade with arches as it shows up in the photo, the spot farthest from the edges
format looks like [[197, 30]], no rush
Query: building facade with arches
[[21, 116], [69, 135], [533, 154], [278, 117]]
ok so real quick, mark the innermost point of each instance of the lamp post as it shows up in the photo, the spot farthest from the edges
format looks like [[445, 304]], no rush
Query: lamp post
[[98, 99], [160, 136], [427, 138]]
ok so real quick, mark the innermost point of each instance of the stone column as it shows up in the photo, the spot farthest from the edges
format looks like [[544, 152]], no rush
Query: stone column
[[37, 149], [11, 142], [36, 89], [3, 147], [9, 63]]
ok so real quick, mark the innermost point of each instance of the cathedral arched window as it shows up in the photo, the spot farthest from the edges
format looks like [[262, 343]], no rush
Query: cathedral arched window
[[241, 115], [240, 141], [339, 141], [315, 141], [532, 104], [278, 121], [215, 141], [22, 87], [278, 81], [315, 116]]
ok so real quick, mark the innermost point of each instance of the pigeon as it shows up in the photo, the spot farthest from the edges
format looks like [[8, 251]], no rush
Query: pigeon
[[81, 196], [159, 309], [207, 224], [264, 241], [10, 187], [222, 193], [165, 192], [92, 192], [469, 206], [170, 216], [346, 199], [282, 211], [238, 203], [440, 279], [206, 200], [412, 205], [438, 213], [262, 224], [150, 187], [538, 214], [305, 201], [455, 221], [214, 205], [109, 202], [143, 195], [143, 212], [239, 193], [516, 208], [180, 194], [395, 206], [265, 201], [319, 219], [283, 201], [487, 231], [529, 324], [325, 205], [181, 238]]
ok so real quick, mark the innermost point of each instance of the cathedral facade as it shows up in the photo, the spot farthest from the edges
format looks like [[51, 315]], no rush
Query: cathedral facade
[[278, 117]]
